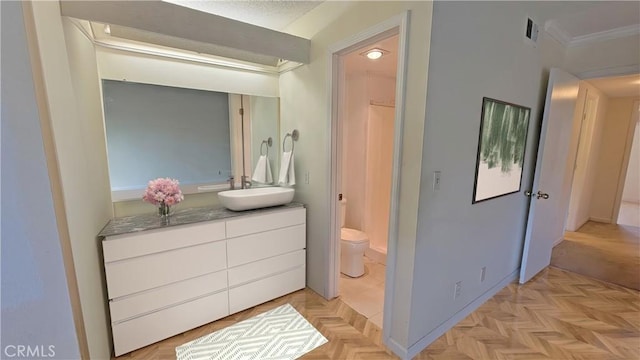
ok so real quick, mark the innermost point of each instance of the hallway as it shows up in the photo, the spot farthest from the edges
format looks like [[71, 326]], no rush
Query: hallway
[[607, 252]]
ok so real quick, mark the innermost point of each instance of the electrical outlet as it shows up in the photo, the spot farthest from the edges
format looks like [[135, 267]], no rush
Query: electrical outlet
[[457, 290], [483, 273], [436, 180]]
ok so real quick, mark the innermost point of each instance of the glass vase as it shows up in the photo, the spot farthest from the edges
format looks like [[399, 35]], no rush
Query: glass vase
[[164, 210]]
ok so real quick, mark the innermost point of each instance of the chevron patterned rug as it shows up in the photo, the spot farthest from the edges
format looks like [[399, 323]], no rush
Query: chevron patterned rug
[[278, 334]]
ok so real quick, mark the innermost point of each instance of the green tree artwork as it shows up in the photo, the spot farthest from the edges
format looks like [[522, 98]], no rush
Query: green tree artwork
[[501, 148]]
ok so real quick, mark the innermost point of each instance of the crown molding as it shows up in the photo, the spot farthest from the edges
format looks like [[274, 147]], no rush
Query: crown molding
[[609, 72], [551, 27], [568, 41], [605, 35]]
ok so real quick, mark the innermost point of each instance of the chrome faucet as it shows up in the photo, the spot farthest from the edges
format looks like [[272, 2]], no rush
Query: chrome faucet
[[232, 183], [245, 182]]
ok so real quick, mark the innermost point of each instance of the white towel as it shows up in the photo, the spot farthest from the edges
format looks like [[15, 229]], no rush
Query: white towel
[[262, 172], [287, 173]]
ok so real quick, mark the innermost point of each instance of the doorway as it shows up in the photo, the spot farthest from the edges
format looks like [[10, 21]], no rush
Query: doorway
[[367, 107], [366, 120], [595, 243], [561, 130]]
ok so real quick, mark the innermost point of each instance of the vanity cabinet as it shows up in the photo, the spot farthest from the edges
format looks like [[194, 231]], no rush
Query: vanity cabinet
[[166, 281]]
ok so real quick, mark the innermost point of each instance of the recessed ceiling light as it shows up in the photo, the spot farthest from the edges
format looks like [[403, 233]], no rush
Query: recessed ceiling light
[[374, 54]]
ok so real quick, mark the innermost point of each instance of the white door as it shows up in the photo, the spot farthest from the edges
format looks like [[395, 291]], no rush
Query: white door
[[553, 174]]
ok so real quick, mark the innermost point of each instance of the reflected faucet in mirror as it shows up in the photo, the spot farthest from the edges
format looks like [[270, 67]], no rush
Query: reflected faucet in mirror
[[246, 183]]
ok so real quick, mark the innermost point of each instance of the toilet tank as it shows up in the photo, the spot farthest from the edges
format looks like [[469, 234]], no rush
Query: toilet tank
[[343, 211]]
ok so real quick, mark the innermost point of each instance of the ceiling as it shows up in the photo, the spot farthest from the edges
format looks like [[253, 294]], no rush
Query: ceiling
[[275, 15], [572, 23], [356, 62], [574, 19], [619, 86]]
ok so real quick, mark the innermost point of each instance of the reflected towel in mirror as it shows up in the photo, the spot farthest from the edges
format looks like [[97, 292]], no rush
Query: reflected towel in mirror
[[287, 174], [262, 172]]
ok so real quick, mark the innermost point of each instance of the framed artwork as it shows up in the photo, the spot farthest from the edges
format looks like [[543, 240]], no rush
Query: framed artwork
[[503, 138]]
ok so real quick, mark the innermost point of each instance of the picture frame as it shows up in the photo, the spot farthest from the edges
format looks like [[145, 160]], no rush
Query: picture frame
[[501, 149]]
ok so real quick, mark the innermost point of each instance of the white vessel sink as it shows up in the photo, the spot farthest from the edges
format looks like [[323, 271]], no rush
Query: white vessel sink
[[247, 199]]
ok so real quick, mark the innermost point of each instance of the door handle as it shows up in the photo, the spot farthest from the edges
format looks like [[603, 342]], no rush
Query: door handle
[[540, 194]]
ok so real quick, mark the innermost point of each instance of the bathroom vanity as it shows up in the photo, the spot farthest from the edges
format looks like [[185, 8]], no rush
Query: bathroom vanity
[[204, 264]]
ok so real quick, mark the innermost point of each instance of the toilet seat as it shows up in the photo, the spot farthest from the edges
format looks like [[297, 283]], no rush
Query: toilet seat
[[353, 236]]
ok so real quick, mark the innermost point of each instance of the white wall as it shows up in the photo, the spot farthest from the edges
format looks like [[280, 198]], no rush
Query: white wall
[[584, 174], [477, 50], [71, 82], [36, 310], [361, 89], [631, 191], [610, 159], [304, 98], [354, 145], [378, 177]]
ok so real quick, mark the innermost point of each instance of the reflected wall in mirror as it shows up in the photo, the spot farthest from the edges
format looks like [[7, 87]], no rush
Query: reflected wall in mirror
[[265, 125], [195, 136]]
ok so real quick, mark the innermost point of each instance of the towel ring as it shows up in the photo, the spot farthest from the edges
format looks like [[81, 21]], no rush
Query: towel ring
[[267, 142], [294, 135]]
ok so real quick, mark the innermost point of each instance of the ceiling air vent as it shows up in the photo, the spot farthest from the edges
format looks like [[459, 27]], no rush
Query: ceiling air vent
[[531, 32]]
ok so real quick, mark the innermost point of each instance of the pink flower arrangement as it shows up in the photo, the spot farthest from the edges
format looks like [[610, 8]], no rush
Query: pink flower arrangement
[[163, 192]]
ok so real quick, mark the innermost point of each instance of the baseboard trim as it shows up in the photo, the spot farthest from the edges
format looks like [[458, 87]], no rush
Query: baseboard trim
[[397, 349], [457, 317], [601, 220], [558, 241]]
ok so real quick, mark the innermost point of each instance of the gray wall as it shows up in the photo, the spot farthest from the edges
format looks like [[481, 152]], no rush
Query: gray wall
[[35, 301], [477, 50]]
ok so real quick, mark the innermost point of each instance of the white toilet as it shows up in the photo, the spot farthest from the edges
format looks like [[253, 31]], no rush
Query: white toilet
[[353, 243]]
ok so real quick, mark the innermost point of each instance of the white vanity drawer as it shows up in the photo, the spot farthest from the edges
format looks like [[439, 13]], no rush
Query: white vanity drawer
[[149, 242], [245, 249], [129, 276], [267, 267], [145, 330], [164, 296], [263, 222], [258, 292]]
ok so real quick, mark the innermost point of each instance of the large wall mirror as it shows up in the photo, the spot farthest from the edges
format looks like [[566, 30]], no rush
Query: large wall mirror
[[199, 137]]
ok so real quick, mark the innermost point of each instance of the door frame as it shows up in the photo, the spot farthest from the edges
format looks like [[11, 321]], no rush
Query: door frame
[[399, 25], [587, 121], [622, 176]]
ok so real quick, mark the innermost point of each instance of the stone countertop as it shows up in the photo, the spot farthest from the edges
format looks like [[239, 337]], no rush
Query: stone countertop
[[137, 223]]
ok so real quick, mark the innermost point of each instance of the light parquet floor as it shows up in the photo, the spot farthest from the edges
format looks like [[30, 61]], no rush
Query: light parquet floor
[[608, 252], [350, 334], [557, 315]]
